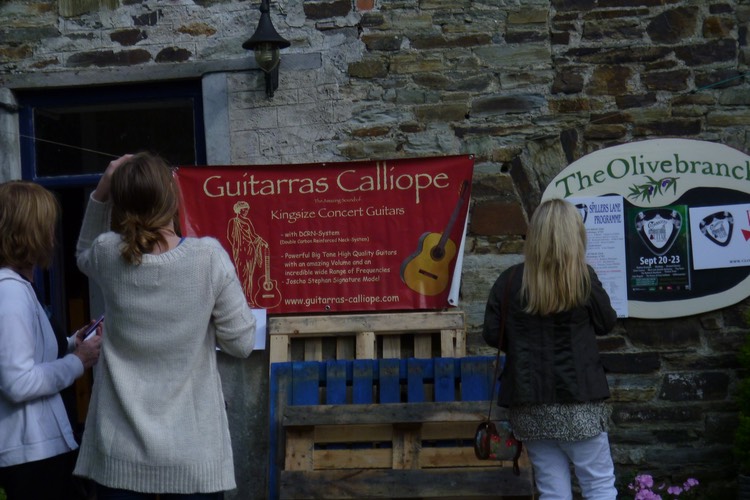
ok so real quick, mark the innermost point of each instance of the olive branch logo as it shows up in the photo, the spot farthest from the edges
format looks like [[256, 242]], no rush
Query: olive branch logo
[[653, 187]]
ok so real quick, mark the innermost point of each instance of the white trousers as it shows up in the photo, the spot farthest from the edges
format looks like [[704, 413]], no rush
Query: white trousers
[[592, 463]]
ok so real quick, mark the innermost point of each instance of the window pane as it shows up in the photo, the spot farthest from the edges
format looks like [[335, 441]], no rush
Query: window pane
[[82, 139]]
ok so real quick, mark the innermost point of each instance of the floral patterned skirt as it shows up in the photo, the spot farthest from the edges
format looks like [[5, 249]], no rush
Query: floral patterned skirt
[[563, 422]]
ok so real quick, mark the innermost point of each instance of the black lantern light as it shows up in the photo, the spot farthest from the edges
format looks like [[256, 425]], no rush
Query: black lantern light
[[266, 43]]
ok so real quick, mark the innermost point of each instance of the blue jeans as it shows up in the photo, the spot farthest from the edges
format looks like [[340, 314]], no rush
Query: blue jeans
[[107, 493], [592, 462]]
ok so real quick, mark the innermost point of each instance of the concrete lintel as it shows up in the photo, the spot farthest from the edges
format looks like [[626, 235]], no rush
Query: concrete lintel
[[77, 77]]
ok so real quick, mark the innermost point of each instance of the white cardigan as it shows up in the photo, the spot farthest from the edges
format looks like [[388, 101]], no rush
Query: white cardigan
[[33, 421], [157, 421]]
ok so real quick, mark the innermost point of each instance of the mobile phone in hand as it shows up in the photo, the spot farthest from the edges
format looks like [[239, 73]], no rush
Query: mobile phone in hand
[[92, 329]]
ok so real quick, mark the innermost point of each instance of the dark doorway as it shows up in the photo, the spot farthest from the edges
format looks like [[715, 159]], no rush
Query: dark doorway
[[68, 136]]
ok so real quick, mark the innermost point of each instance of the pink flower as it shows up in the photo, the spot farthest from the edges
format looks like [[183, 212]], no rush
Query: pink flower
[[643, 486], [647, 495], [644, 481]]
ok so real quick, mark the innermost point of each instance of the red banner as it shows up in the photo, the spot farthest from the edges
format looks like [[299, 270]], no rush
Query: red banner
[[332, 237]]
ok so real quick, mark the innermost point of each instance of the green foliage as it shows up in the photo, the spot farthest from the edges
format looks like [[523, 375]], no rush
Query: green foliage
[[742, 434], [648, 190], [2, 494], [743, 396], [622, 482], [742, 444]]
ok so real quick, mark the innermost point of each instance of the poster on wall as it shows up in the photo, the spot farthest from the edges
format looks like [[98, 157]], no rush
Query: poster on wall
[[659, 254], [604, 220], [721, 236], [335, 237], [685, 208]]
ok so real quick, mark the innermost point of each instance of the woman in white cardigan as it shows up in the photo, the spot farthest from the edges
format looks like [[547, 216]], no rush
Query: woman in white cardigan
[[157, 422], [37, 446]]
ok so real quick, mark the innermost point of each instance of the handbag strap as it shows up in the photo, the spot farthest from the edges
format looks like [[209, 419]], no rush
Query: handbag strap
[[504, 313]]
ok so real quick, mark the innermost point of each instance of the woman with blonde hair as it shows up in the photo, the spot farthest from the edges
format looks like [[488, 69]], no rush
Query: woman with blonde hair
[[553, 382], [158, 423], [37, 444]]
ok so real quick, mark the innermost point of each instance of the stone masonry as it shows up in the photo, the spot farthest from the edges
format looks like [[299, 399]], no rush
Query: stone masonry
[[526, 86]]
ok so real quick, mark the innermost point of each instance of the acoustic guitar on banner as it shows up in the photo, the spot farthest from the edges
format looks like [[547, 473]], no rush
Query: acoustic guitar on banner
[[268, 295], [427, 270]]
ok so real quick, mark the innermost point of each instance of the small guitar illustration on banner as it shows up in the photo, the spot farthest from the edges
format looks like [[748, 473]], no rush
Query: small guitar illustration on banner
[[268, 295], [427, 271]]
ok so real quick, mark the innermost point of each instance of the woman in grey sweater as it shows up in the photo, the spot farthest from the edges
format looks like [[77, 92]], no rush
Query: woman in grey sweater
[[157, 422]]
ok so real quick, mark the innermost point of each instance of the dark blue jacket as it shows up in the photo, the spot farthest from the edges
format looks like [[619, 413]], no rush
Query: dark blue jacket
[[549, 359]]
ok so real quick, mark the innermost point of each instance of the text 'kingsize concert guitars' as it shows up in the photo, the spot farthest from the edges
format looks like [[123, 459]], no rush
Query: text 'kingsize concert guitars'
[[427, 271]]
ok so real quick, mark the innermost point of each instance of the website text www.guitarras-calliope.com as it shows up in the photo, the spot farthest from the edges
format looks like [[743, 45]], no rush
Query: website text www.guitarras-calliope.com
[[354, 299]]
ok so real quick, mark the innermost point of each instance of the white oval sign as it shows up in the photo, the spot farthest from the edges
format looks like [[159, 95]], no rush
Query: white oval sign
[[684, 209]]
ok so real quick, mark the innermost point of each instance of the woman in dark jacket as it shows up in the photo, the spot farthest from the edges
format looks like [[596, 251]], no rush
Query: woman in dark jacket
[[553, 382]]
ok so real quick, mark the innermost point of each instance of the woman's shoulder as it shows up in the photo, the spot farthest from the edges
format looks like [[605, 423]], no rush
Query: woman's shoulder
[[592, 271], [205, 242], [212, 254], [513, 272], [207, 246], [9, 275], [109, 239], [109, 236], [12, 280], [106, 246], [13, 289]]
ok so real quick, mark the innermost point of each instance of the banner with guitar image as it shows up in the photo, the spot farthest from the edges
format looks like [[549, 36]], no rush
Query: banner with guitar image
[[335, 237]]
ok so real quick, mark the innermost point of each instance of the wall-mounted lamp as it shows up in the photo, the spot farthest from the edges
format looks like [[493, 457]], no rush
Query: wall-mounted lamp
[[266, 43]]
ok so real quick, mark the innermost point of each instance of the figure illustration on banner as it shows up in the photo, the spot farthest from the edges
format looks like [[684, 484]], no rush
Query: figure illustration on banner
[[427, 270], [251, 258]]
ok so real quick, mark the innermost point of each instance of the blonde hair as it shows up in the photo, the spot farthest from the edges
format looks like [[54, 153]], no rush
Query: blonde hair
[[28, 214], [555, 276], [144, 200]]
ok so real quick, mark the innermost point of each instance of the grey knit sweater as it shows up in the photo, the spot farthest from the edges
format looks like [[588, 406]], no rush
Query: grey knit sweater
[[157, 421]]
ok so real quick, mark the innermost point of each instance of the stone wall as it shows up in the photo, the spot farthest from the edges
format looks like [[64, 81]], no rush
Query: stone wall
[[527, 86]]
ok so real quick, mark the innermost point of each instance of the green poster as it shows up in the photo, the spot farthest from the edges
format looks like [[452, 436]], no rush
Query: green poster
[[658, 249]]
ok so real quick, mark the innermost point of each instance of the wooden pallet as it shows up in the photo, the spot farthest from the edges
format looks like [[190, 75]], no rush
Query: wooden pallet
[[389, 428], [367, 336]]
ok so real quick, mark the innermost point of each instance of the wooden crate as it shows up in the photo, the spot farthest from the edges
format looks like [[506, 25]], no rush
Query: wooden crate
[[367, 336], [388, 428]]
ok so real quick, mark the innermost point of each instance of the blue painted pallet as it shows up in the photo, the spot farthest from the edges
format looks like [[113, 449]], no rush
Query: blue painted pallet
[[383, 381]]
